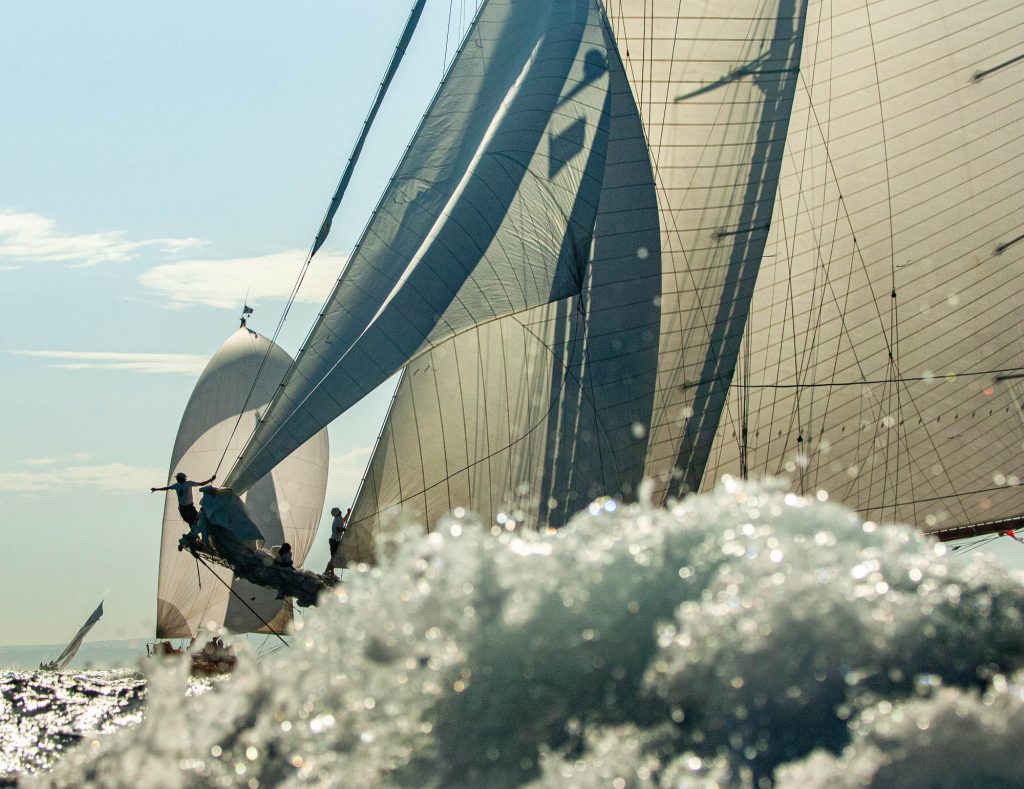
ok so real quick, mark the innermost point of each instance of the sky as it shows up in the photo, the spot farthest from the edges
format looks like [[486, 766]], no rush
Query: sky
[[161, 164]]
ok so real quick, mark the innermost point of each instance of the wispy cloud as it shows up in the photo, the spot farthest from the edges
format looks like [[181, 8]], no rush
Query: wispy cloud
[[108, 477], [77, 457], [224, 283], [179, 363], [32, 238]]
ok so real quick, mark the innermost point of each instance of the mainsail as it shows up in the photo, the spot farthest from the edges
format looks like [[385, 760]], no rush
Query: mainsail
[[285, 504], [771, 237], [71, 649], [884, 352]]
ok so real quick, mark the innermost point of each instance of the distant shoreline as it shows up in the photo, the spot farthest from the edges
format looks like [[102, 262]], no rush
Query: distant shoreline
[[123, 653]]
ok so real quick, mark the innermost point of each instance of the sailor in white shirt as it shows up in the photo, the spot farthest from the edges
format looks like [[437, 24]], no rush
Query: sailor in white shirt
[[183, 488]]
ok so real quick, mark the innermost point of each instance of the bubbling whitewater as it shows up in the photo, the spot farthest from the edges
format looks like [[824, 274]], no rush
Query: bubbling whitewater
[[740, 638]]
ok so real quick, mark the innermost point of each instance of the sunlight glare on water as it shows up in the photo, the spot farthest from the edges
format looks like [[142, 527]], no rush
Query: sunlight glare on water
[[742, 638]]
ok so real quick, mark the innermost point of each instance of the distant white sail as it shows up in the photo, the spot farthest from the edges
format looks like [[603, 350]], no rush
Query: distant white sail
[[286, 504], [71, 649]]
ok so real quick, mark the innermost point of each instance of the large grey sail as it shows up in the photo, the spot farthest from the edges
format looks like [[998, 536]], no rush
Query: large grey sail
[[884, 350], [490, 213], [532, 415], [286, 504], [529, 417]]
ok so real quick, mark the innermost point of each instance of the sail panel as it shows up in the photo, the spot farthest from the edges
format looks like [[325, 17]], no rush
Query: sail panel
[[885, 332], [286, 503], [509, 229], [527, 418], [714, 88]]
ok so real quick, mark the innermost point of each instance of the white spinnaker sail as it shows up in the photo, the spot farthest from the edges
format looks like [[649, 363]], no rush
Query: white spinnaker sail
[[888, 309], [71, 649], [490, 213], [285, 504]]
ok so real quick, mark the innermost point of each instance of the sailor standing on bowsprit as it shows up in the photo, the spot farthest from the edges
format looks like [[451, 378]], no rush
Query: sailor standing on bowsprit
[[183, 487]]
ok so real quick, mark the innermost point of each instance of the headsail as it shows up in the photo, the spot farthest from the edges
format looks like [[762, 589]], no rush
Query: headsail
[[490, 213], [532, 417], [286, 503], [71, 649]]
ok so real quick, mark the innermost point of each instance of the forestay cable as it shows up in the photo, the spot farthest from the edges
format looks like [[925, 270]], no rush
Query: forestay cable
[[332, 208], [240, 599]]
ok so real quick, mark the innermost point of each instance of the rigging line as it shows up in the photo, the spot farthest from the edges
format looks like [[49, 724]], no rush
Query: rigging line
[[240, 598], [791, 311], [980, 75], [332, 209], [707, 147], [508, 402], [960, 550], [382, 89], [957, 494], [885, 157], [447, 35], [942, 378], [578, 337], [380, 434], [675, 230], [583, 307], [444, 436], [568, 374], [822, 267], [668, 82]]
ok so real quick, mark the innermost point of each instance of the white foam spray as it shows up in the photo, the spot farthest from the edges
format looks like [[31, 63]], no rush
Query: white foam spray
[[745, 638]]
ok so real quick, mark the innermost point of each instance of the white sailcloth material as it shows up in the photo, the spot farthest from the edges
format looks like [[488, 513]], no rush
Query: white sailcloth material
[[285, 504], [715, 87], [490, 213], [884, 355], [71, 649], [803, 261], [530, 418]]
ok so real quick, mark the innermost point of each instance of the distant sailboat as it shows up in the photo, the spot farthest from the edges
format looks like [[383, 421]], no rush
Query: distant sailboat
[[628, 242], [71, 649]]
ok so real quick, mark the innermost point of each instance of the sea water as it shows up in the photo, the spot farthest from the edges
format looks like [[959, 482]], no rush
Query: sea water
[[43, 713], [749, 637]]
